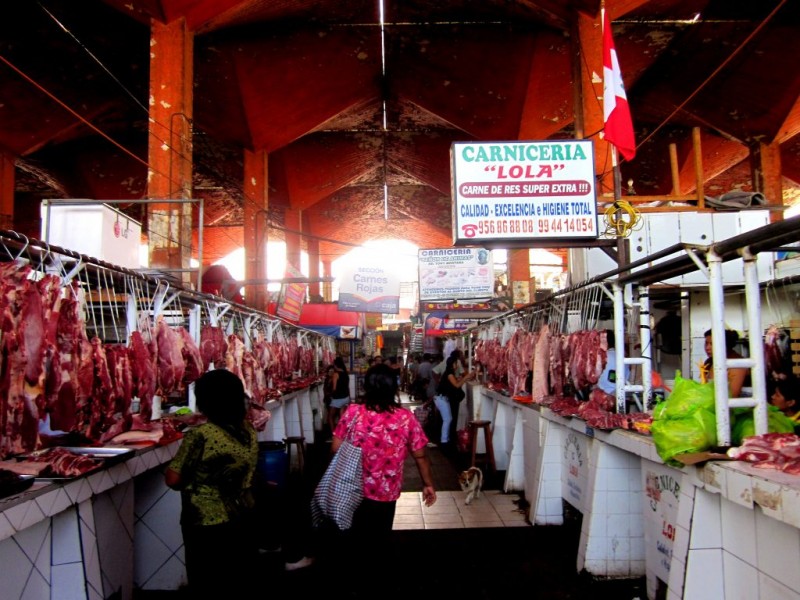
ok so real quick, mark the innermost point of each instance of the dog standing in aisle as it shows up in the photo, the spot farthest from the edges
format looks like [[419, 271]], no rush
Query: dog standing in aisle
[[471, 482]]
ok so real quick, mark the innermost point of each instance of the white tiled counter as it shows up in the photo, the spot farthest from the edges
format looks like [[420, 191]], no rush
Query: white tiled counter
[[507, 432], [295, 414], [723, 530], [75, 539]]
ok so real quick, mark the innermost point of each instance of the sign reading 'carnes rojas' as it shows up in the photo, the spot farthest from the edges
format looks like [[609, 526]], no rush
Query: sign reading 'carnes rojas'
[[369, 287], [523, 190]]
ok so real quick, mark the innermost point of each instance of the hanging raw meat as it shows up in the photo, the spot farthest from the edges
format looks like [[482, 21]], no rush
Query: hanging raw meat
[[235, 355], [102, 407], [776, 353], [255, 381], [588, 357], [559, 360], [192, 360], [263, 353], [31, 328], [119, 367], [213, 346], [143, 367], [22, 382], [517, 368], [541, 368], [61, 386], [20, 416], [170, 363]]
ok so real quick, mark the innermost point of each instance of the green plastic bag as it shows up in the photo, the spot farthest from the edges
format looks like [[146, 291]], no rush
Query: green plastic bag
[[686, 396], [694, 432], [685, 421], [744, 425]]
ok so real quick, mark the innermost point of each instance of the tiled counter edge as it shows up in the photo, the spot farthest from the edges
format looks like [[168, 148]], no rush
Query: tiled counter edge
[[46, 498]]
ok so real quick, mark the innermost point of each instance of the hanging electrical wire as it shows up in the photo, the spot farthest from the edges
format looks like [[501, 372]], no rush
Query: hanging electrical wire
[[621, 219]]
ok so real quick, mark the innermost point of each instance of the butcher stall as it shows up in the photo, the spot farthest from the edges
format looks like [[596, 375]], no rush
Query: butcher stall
[[98, 365], [695, 490]]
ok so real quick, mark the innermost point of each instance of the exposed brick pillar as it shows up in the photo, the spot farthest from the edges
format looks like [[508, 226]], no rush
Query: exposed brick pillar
[[519, 274], [293, 222], [765, 161], [7, 185], [588, 52], [313, 269], [169, 226], [327, 287], [256, 207]]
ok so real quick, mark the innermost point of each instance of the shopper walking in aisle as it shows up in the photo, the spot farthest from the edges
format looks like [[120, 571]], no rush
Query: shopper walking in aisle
[[340, 397], [449, 394], [386, 433], [213, 469]]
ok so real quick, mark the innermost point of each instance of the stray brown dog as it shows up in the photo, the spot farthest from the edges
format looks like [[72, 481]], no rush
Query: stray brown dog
[[471, 482]]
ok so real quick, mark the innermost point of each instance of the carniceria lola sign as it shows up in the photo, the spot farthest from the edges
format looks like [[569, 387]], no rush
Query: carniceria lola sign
[[523, 190]]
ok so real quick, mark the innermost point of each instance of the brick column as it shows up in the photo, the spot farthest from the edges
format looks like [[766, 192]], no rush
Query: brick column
[[169, 226]]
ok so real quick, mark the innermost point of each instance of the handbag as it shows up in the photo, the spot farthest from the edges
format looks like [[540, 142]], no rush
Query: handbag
[[341, 488], [422, 413]]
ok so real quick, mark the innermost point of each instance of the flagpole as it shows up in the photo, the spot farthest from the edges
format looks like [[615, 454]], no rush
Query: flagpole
[[617, 174], [613, 94]]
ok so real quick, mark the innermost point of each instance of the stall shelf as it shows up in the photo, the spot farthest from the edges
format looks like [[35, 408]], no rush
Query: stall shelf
[[117, 529], [722, 529]]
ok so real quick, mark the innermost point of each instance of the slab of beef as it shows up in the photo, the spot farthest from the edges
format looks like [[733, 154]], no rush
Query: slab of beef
[[21, 382], [517, 367], [83, 407], [235, 355], [63, 463], [306, 359], [262, 350], [170, 363], [558, 361], [62, 387], [255, 380], [213, 346], [143, 368], [20, 415], [566, 407], [770, 451], [192, 360], [119, 367], [541, 368], [103, 405], [587, 357]]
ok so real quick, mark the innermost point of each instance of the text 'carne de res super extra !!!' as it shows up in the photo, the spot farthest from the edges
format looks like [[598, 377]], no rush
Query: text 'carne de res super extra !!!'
[[526, 189], [368, 283]]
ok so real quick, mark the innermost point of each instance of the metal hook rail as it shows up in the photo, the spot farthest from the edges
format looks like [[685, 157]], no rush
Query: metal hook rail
[[676, 260], [111, 282]]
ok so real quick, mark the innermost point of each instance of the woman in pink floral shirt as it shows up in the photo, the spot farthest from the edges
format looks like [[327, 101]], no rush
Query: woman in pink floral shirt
[[386, 434]]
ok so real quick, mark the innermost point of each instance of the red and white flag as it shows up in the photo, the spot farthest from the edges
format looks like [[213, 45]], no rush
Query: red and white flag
[[616, 112]]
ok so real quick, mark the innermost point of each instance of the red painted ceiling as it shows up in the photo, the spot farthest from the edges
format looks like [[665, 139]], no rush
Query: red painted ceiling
[[307, 82]]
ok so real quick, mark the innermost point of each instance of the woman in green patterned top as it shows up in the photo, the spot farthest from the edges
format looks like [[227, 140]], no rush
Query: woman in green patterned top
[[213, 470]]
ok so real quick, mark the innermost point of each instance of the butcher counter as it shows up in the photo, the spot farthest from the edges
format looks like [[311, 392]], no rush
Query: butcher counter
[[102, 534], [724, 529]]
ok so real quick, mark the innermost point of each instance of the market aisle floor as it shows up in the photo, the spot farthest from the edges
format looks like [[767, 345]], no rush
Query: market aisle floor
[[492, 509], [482, 551]]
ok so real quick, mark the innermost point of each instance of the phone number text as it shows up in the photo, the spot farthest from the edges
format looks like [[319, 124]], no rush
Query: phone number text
[[541, 226]]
